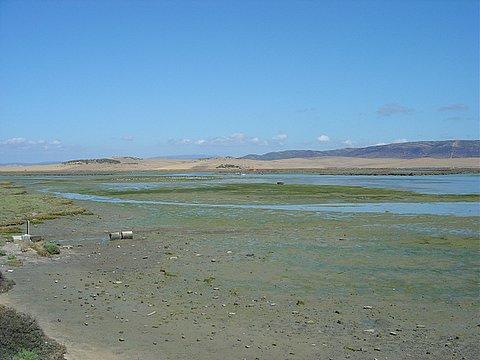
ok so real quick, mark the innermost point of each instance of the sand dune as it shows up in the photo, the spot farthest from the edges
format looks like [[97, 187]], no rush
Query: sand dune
[[212, 164]]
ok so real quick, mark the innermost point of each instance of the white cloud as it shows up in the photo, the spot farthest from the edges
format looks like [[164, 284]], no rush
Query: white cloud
[[21, 143], [348, 142], [323, 138], [280, 137], [15, 141], [258, 141], [231, 140], [399, 141], [127, 138], [237, 137]]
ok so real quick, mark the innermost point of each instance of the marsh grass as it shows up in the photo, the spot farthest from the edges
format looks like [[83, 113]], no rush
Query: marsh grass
[[273, 194], [10, 230], [18, 204], [12, 260]]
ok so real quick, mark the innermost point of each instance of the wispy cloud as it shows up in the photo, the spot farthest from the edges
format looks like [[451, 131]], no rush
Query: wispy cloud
[[453, 107], [399, 141], [393, 109], [257, 141], [280, 138], [16, 141], [21, 143], [323, 138], [231, 140], [348, 142], [127, 138], [306, 110]]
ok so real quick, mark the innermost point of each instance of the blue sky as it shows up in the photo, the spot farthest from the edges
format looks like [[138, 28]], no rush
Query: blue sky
[[154, 78]]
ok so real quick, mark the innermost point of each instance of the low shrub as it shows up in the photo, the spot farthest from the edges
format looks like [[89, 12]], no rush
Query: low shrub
[[51, 248], [5, 284], [22, 339], [39, 248], [12, 260], [26, 355]]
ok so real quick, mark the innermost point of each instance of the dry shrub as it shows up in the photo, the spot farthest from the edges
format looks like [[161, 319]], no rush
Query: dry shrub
[[20, 332], [5, 284]]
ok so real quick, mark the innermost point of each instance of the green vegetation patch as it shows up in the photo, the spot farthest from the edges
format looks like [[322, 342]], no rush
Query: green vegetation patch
[[18, 204], [45, 248], [51, 248], [26, 355], [273, 193]]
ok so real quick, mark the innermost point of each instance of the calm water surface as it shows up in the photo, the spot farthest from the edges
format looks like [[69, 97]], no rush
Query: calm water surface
[[433, 208], [431, 184]]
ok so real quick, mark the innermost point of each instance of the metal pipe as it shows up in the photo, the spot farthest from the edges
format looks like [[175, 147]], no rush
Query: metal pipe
[[115, 235], [127, 234]]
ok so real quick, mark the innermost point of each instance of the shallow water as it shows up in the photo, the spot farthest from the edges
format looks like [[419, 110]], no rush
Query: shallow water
[[431, 184], [433, 208], [428, 184]]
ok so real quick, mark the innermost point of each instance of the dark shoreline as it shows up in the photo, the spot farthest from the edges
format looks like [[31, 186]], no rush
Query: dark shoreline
[[327, 171]]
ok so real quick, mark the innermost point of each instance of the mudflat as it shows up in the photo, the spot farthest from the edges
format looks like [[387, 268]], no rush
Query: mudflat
[[217, 282]]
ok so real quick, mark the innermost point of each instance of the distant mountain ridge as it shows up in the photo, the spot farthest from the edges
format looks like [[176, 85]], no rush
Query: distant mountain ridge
[[408, 150]]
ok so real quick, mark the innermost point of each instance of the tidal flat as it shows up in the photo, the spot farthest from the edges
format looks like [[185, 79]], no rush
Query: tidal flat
[[216, 283]]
